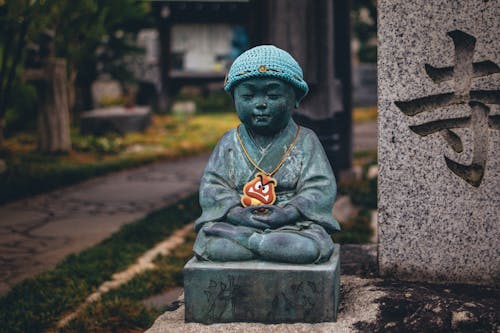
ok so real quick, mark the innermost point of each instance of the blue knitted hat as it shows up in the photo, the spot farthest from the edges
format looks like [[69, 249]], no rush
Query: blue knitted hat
[[267, 61]]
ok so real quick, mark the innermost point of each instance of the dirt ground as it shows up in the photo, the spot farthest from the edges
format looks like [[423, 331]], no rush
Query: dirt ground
[[423, 307]]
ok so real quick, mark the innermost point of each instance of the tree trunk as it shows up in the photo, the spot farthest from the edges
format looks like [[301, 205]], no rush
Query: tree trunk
[[53, 119]]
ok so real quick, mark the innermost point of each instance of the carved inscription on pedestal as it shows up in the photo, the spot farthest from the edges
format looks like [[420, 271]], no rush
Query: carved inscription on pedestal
[[480, 121], [228, 297]]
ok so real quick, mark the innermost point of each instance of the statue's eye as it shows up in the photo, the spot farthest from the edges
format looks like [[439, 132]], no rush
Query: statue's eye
[[273, 96], [258, 185], [265, 189], [247, 96]]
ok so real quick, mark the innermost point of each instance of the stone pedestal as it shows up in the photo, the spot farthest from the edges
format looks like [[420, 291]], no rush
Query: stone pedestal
[[256, 291], [116, 119], [439, 140]]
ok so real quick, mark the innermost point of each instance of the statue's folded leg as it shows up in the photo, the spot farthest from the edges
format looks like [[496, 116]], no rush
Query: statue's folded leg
[[285, 247], [292, 245], [303, 243], [218, 241]]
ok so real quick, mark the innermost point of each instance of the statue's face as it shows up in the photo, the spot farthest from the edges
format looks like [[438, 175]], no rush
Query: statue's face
[[264, 105]]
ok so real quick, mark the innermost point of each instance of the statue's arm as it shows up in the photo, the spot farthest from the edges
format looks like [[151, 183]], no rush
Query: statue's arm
[[316, 188], [245, 217], [217, 190], [277, 216]]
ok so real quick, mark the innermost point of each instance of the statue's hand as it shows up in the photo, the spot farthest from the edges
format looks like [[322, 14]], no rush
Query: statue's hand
[[245, 217], [276, 216]]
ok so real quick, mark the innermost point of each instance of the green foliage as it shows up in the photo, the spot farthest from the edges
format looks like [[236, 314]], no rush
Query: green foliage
[[215, 102], [355, 231], [21, 113], [109, 144], [15, 20], [364, 15], [367, 53], [80, 28], [368, 157], [218, 101], [36, 304], [362, 192]]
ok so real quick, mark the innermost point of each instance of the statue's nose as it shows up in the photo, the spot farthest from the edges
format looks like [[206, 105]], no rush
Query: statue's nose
[[261, 104]]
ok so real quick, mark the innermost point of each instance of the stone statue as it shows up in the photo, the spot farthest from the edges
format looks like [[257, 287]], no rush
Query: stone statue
[[268, 189]]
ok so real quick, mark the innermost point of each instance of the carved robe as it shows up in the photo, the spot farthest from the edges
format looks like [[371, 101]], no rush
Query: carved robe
[[305, 181]]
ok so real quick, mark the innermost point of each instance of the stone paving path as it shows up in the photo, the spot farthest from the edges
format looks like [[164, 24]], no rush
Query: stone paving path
[[36, 233]]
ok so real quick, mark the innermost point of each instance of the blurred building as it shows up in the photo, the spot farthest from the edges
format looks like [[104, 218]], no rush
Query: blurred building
[[197, 41]]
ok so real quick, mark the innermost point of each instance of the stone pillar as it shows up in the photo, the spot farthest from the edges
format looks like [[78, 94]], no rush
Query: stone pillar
[[308, 31], [439, 141]]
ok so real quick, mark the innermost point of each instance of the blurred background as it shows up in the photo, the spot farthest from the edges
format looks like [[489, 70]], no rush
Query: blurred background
[[90, 87], [69, 70], [109, 110]]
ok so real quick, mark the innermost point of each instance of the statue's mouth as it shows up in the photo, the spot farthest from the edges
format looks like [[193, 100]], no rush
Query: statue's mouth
[[262, 117], [258, 196]]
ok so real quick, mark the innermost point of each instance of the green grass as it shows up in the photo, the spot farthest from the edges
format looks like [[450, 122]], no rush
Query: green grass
[[37, 304], [122, 310], [30, 172]]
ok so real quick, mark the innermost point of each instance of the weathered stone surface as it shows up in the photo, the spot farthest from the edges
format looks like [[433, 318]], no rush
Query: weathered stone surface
[[357, 304], [105, 90], [116, 119], [439, 180], [256, 291]]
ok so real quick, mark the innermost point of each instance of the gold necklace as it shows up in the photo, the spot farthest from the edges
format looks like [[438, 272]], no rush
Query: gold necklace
[[260, 190]]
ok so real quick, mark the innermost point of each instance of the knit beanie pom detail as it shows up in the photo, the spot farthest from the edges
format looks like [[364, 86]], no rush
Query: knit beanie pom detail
[[267, 61]]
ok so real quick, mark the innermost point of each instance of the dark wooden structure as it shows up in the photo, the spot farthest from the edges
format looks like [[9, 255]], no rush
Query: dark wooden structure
[[316, 33]]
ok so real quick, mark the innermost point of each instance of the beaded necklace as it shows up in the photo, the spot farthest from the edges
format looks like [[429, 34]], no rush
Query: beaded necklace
[[260, 190]]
